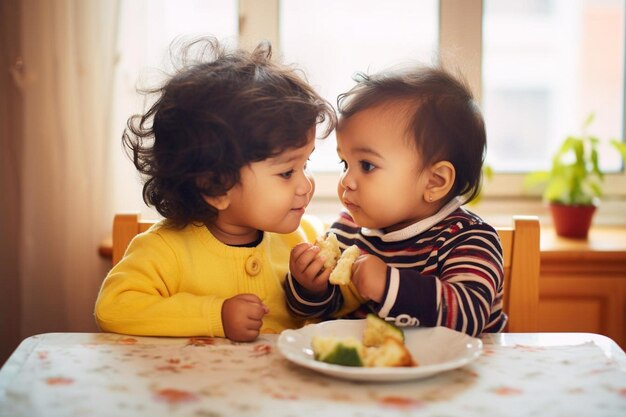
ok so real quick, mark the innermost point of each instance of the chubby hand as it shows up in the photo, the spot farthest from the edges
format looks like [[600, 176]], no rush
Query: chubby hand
[[369, 275], [242, 317], [306, 268]]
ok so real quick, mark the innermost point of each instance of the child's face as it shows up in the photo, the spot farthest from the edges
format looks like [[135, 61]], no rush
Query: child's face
[[272, 194], [384, 183]]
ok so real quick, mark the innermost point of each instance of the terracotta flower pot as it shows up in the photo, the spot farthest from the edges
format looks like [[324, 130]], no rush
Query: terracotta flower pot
[[572, 221]]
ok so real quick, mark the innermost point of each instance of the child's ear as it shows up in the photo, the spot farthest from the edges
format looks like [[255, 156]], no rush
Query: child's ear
[[440, 182], [220, 202]]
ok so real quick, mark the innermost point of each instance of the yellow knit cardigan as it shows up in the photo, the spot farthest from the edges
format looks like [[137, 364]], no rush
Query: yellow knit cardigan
[[174, 282]]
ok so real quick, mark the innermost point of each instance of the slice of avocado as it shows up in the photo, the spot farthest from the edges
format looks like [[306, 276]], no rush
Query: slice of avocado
[[346, 352], [377, 329], [344, 355]]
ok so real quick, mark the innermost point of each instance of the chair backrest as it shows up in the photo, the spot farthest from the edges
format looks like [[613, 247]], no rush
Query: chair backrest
[[520, 246], [125, 227], [521, 253]]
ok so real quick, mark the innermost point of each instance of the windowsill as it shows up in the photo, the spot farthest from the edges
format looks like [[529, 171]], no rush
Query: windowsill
[[609, 240]]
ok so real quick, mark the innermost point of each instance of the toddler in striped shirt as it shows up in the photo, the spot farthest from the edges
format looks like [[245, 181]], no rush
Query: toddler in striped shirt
[[412, 144]]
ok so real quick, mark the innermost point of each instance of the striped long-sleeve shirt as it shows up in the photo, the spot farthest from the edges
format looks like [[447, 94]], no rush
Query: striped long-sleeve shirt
[[442, 271]]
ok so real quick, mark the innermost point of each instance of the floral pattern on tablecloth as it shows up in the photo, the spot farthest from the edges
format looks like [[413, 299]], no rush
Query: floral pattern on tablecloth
[[113, 375]]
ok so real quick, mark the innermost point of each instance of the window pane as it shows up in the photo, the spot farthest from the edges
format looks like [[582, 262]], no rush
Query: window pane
[[147, 27], [547, 64], [331, 40]]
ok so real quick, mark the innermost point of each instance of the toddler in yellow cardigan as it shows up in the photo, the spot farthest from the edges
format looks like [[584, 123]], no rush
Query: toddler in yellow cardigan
[[223, 152]]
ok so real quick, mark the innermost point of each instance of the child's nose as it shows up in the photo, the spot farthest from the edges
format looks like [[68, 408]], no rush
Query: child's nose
[[347, 181], [305, 185]]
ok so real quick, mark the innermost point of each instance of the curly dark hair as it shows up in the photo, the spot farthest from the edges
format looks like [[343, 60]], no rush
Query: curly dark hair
[[220, 111], [443, 118]]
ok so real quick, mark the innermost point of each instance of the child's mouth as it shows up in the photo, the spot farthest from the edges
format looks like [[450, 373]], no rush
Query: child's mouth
[[350, 205]]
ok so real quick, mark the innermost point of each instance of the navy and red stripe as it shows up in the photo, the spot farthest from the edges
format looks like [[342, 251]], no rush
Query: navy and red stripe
[[449, 275]]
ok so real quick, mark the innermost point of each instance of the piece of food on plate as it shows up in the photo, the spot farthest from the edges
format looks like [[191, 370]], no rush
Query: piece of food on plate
[[382, 345], [391, 352], [377, 330], [330, 249], [351, 352], [342, 272], [346, 352]]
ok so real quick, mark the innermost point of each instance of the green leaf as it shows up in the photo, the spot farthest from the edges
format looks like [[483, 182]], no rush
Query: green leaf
[[556, 190], [488, 171], [576, 176], [596, 188], [536, 179], [588, 121], [620, 146]]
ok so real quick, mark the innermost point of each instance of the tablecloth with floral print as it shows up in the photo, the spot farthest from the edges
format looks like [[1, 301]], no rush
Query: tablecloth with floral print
[[80, 374]]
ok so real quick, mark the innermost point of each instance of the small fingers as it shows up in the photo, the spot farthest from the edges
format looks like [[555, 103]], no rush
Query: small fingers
[[245, 335], [254, 306], [322, 277], [299, 249], [314, 267], [307, 256], [254, 325], [356, 273], [251, 334], [256, 311]]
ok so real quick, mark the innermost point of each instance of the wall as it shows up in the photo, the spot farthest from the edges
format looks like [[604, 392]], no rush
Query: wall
[[10, 155]]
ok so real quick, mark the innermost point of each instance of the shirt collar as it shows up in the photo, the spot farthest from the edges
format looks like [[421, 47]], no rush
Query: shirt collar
[[415, 228]]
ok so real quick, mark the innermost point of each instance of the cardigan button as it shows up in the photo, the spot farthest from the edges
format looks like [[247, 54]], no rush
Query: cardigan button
[[253, 265]]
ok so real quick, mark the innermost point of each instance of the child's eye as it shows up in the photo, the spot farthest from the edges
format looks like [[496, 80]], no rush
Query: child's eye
[[367, 166], [345, 165], [286, 175]]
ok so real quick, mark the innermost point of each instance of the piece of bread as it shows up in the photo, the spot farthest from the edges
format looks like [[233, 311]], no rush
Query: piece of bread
[[342, 272], [391, 352], [329, 249], [340, 263]]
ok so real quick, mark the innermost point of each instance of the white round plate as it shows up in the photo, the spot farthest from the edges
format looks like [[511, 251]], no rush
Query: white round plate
[[436, 349]]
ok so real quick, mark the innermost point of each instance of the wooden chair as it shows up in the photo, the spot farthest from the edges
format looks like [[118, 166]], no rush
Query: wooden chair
[[520, 246], [125, 227]]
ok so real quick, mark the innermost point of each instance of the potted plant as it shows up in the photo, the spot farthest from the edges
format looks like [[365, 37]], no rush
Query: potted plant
[[573, 186]]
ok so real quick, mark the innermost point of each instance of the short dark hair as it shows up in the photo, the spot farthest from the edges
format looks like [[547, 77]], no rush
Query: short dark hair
[[219, 112], [444, 120]]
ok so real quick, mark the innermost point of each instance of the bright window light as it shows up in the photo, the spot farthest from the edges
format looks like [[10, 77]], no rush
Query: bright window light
[[332, 40], [548, 64]]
